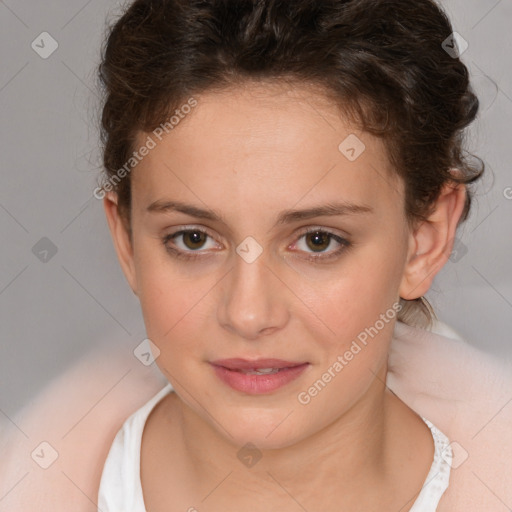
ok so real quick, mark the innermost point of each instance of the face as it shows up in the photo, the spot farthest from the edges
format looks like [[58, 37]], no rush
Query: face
[[255, 280]]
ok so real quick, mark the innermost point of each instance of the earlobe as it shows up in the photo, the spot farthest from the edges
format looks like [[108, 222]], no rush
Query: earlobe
[[431, 243], [121, 239]]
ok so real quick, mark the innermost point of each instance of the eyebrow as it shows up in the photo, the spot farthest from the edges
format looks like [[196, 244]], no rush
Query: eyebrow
[[330, 209]]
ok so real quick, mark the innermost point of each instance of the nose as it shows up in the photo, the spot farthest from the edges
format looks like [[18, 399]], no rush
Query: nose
[[253, 300]]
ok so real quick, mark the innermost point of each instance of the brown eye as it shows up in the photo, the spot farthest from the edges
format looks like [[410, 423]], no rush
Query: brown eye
[[187, 243], [315, 243], [318, 240], [193, 239]]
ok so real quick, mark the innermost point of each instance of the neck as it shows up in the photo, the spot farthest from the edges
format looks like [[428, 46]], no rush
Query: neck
[[350, 453]]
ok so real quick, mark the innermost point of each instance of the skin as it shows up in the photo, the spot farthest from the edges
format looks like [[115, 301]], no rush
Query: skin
[[248, 154]]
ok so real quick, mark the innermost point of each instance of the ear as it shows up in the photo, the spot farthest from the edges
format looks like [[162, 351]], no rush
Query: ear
[[431, 242], [121, 239]]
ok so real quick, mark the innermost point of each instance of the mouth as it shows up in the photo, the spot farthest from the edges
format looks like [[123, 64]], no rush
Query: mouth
[[257, 376], [256, 364]]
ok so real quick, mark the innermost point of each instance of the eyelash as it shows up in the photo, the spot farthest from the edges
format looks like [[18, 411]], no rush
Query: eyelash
[[193, 255]]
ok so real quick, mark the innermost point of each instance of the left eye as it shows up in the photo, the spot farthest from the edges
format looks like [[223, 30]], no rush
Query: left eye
[[318, 240]]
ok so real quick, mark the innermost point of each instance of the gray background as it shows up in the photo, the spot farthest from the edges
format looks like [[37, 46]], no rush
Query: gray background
[[53, 312]]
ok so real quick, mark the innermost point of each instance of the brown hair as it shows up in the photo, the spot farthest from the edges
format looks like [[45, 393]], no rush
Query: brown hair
[[382, 61]]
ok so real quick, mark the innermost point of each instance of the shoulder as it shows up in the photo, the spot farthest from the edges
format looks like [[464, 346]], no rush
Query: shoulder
[[467, 394], [440, 366], [54, 449]]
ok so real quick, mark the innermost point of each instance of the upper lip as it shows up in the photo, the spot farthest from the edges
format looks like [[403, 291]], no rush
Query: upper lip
[[252, 364]]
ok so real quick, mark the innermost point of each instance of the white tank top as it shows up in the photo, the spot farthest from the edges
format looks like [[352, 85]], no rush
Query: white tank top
[[121, 490]]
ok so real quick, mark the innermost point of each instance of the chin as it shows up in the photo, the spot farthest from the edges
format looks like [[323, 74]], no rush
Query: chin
[[266, 432]]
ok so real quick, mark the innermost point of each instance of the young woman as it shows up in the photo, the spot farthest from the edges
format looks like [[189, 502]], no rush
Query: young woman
[[283, 182]]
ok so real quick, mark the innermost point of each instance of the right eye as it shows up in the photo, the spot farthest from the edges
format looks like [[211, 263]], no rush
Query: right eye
[[192, 240]]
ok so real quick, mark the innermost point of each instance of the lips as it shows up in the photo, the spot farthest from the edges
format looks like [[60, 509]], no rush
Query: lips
[[257, 376], [237, 364]]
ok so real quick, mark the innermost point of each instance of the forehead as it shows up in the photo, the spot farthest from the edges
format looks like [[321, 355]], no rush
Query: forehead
[[274, 144]]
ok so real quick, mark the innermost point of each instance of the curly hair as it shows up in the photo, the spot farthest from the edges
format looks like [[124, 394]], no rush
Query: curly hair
[[382, 62]]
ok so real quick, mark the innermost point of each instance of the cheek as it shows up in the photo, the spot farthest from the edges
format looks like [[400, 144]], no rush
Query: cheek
[[361, 312], [172, 304], [167, 304], [355, 295]]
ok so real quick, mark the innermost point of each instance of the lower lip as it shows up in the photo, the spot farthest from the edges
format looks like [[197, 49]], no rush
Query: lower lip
[[258, 384]]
